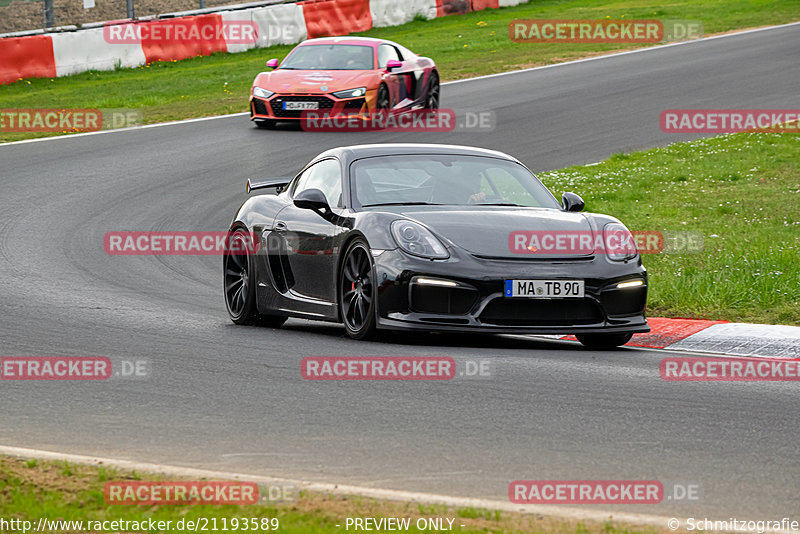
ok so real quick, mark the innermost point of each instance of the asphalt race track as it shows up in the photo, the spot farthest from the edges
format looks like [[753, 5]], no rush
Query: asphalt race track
[[226, 397]]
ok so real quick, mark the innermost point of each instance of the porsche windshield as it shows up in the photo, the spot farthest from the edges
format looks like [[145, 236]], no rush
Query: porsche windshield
[[330, 57], [446, 180]]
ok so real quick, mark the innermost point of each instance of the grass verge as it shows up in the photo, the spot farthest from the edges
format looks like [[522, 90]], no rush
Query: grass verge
[[463, 46], [32, 489], [740, 191]]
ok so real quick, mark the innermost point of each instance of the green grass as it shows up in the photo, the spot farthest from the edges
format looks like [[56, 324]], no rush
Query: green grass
[[466, 45], [32, 490], [741, 191]]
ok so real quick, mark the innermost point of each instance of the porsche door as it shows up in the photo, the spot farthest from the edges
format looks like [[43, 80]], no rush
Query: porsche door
[[307, 235]]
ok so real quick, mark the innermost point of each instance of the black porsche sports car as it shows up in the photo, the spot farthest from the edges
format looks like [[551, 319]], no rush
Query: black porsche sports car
[[432, 238]]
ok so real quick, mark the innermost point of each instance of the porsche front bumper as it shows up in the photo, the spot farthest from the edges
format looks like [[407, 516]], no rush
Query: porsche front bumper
[[474, 301]]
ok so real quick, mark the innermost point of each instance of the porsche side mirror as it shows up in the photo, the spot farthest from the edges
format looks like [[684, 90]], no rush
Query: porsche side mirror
[[272, 63], [572, 202], [393, 64], [311, 199]]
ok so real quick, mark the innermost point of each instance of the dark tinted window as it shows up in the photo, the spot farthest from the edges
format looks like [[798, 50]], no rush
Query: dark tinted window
[[447, 180], [330, 57], [327, 177]]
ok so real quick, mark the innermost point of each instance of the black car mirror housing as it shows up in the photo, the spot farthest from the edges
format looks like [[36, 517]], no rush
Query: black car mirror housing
[[311, 199], [572, 202]]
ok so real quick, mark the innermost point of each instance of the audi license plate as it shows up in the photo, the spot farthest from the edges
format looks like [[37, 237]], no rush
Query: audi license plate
[[297, 106]]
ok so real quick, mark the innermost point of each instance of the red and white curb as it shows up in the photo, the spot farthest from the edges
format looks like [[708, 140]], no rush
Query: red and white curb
[[719, 337], [744, 339]]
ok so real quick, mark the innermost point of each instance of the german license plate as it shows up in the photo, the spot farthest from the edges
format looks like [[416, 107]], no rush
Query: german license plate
[[296, 106], [546, 289]]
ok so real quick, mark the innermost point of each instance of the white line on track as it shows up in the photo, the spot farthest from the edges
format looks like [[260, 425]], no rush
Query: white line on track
[[477, 78], [340, 489]]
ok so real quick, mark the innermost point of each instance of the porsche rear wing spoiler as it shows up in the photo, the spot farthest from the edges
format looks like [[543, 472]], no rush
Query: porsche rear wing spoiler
[[278, 183]]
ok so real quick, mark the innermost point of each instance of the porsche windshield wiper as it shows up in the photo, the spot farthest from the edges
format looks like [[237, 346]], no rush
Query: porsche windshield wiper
[[402, 204], [499, 204]]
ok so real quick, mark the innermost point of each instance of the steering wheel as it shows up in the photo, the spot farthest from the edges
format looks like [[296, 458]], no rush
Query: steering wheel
[[486, 198]]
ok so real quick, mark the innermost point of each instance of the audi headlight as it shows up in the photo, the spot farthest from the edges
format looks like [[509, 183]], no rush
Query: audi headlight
[[619, 242], [262, 93], [418, 240], [351, 93]]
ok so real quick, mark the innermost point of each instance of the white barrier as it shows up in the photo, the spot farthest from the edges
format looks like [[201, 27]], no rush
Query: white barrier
[[281, 24], [85, 50], [393, 13]]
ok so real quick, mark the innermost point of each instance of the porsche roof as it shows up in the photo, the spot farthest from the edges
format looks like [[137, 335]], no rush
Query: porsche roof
[[398, 149]]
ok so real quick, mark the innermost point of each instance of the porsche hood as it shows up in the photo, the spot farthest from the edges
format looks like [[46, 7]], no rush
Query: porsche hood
[[494, 232]]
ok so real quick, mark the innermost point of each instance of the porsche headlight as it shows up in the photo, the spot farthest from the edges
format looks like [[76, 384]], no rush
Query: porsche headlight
[[418, 240], [351, 93], [262, 93], [619, 242]]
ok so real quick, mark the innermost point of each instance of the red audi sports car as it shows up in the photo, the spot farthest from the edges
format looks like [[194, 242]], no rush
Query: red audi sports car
[[343, 75]]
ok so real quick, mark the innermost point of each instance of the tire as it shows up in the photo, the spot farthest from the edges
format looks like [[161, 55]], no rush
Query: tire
[[239, 284], [603, 341], [383, 100], [357, 291], [433, 96], [382, 105], [266, 124]]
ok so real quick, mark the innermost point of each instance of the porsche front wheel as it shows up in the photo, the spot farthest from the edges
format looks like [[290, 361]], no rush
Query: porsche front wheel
[[357, 293]]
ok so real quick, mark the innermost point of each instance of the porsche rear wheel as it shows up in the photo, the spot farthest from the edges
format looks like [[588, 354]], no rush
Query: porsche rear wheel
[[432, 99], [240, 283], [603, 341], [357, 293]]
